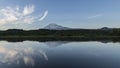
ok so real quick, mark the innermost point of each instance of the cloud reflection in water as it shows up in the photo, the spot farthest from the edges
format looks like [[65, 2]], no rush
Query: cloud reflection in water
[[18, 55]]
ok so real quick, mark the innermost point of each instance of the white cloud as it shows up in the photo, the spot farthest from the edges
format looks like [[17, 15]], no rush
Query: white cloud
[[8, 15], [16, 15], [28, 20], [95, 16], [28, 10], [43, 17], [17, 8]]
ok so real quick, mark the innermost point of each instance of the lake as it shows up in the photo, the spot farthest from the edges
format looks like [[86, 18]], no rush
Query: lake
[[59, 54]]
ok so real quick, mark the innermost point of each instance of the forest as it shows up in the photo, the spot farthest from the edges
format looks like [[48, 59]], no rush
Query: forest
[[79, 33]]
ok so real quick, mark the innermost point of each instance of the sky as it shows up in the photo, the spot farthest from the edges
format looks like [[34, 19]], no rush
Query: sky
[[35, 14]]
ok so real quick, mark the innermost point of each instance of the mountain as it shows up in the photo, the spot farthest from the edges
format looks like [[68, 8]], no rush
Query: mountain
[[55, 27], [106, 28]]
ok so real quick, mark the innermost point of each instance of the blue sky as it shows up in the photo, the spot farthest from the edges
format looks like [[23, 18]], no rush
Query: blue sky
[[34, 14]]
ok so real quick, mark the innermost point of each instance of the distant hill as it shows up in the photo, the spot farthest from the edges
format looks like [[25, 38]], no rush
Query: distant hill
[[55, 27]]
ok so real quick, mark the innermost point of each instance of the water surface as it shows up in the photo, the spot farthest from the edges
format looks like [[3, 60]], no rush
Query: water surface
[[59, 54]]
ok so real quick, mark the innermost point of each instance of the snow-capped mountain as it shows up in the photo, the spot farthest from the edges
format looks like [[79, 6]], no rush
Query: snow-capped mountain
[[55, 27]]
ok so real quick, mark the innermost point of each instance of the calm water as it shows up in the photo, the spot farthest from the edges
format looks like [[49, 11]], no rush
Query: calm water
[[59, 54]]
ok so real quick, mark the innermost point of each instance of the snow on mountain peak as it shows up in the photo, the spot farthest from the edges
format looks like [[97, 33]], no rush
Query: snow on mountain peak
[[55, 27]]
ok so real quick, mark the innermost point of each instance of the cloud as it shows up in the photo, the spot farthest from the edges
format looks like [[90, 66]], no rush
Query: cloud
[[29, 20], [28, 10], [95, 16], [7, 15], [43, 17], [16, 15]]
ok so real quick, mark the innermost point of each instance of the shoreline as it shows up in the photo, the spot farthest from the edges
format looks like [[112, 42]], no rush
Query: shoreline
[[60, 38]]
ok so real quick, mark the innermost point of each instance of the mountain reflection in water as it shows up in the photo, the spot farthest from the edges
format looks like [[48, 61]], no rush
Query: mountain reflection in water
[[56, 43]]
